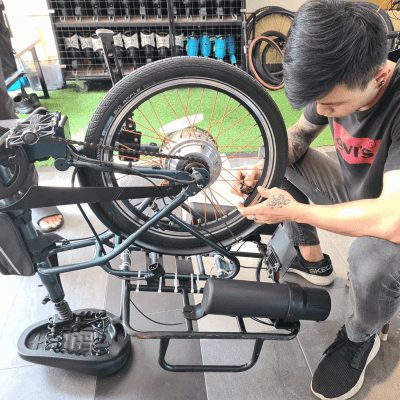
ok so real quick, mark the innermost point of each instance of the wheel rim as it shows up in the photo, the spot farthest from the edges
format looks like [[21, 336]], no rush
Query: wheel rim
[[225, 110]]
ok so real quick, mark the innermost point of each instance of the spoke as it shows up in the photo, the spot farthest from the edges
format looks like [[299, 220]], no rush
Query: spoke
[[219, 194], [221, 121], [183, 107], [158, 119], [198, 107], [240, 134], [214, 206], [213, 112], [232, 125], [153, 129], [170, 106]]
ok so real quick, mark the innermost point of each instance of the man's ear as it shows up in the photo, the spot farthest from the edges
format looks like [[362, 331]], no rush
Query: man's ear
[[382, 76]]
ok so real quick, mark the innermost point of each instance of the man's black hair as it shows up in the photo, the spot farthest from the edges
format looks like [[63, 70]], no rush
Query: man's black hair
[[332, 42]]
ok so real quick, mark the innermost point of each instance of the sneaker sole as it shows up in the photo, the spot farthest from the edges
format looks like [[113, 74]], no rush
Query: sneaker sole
[[358, 385], [315, 279]]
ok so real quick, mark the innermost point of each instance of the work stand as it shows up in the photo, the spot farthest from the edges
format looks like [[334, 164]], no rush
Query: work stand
[[96, 342]]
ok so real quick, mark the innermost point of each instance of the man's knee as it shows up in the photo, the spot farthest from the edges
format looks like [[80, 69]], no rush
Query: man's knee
[[372, 261]]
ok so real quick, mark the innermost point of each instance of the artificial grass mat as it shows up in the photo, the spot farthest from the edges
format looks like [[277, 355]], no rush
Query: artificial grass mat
[[80, 106]]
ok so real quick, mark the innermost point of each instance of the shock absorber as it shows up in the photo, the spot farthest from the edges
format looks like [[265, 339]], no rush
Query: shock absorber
[[230, 46], [63, 9], [157, 6], [110, 9], [188, 8], [63, 310], [203, 9], [220, 9], [127, 11], [95, 7], [78, 9], [192, 45]]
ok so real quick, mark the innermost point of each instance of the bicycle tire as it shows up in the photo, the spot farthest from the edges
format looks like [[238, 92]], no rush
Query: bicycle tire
[[147, 83], [255, 64]]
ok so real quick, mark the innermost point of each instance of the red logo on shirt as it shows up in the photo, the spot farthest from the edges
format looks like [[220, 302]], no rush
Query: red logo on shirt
[[354, 150]]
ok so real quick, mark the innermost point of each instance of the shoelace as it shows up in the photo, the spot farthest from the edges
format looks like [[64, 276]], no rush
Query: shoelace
[[352, 351]]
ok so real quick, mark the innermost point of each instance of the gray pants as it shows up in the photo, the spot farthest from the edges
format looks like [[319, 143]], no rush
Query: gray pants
[[374, 264]]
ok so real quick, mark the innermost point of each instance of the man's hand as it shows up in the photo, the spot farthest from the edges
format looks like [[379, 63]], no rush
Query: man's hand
[[246, 179], [279, 206]]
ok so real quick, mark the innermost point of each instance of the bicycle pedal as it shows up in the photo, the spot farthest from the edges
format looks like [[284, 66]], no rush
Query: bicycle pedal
[[94, 342]]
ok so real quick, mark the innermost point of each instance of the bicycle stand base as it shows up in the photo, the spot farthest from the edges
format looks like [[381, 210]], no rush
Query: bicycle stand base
[[94, 342]]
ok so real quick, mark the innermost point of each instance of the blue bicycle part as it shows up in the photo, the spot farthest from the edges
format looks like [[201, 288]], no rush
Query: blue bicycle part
[[219, 47], [205, 45], [192, 46], [230, 46]]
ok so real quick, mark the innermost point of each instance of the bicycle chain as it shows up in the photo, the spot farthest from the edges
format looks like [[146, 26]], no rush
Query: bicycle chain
[[122, 150]]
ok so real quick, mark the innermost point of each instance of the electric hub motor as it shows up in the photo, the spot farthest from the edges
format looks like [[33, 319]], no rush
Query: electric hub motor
[[197, 144]]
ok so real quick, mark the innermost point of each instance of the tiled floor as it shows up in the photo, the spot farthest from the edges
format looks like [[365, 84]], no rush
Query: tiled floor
[[282, 372]]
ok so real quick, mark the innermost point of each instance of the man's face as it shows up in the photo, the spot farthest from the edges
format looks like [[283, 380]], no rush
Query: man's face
[[342, 101]]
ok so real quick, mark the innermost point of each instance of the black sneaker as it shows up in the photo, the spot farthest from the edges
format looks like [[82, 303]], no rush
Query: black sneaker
[[319, 273], [340, 373]]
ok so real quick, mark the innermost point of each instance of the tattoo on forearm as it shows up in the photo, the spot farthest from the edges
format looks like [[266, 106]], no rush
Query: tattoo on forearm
[[300, 137], [276, 201]]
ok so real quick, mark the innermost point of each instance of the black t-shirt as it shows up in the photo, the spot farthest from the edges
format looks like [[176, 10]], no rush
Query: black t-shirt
[[367, 142]]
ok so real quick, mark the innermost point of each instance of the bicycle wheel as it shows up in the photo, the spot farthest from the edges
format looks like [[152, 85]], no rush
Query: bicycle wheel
[[386, 20], [269, 19], [264, 68], [196, 107]]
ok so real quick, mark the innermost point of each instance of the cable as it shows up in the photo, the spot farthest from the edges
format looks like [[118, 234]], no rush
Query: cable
[[261, 322], [152, 320]]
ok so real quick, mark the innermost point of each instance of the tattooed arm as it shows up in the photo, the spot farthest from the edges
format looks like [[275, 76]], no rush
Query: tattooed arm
[[300, 136]]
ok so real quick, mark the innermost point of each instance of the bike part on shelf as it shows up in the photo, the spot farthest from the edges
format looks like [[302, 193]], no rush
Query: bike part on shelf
[[148, 43], [162, 43], [98, 50], [63, 9], [110, 9], [78, 9], [202, 9], [131, 42], [192, 45], [95, 7], [205, 45], [180, 44], [273, 56], [157, 6], [238, 118], [219, 47], [87, 48], [142, 9], [126, 8], [188, 8], [72, 46], [92, 342], [220, 9], [230, 45], [119, 49]]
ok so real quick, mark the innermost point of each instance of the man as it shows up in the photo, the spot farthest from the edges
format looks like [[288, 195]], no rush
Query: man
[[336, 68], [47, 218]]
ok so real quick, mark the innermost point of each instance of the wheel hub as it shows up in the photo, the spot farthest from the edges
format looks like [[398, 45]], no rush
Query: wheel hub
[[197, 144]]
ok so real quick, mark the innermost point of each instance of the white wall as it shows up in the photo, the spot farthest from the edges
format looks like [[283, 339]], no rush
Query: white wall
[[29, 20]]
